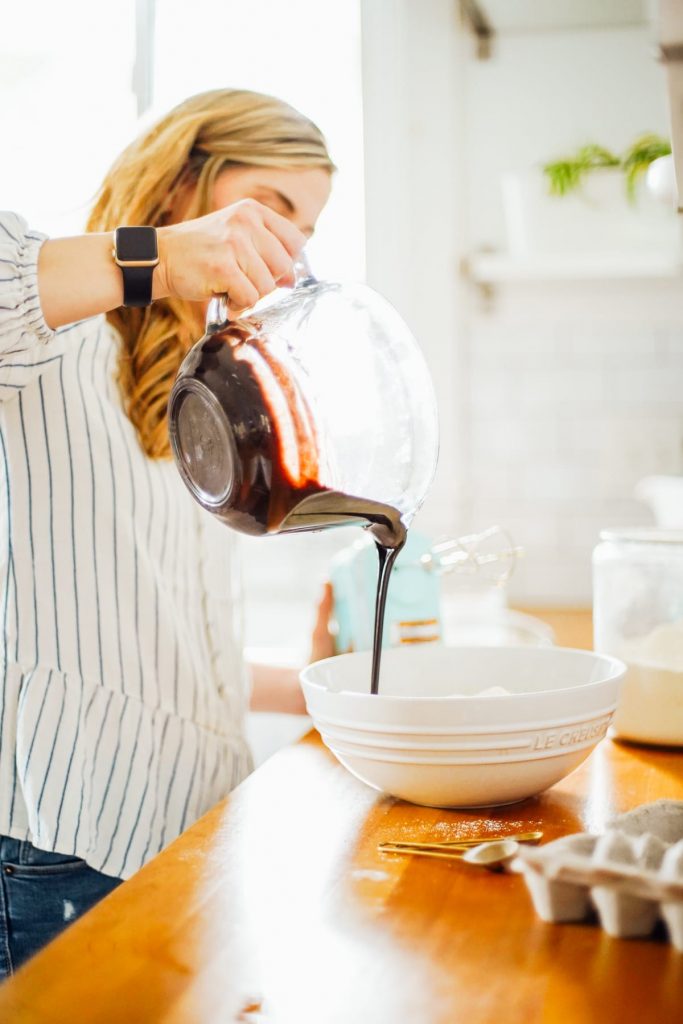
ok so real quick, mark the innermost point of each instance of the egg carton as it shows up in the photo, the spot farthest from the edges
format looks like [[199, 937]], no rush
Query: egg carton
[[631, 876]]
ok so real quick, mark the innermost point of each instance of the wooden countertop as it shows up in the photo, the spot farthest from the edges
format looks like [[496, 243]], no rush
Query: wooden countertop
[[573, 626], [277, 907]]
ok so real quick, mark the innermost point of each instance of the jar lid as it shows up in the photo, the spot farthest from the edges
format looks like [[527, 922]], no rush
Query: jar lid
[[642, 535]]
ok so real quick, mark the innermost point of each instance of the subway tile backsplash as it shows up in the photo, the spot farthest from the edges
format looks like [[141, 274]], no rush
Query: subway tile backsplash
[[575, 393]]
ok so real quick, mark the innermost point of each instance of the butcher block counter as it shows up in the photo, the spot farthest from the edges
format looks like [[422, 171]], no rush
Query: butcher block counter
[[278, 908]]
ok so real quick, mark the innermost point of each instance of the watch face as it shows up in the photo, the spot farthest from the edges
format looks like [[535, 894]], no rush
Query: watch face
[[136, 244]]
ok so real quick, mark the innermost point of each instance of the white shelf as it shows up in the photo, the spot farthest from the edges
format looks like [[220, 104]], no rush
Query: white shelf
[[499, 268], [567, 15]]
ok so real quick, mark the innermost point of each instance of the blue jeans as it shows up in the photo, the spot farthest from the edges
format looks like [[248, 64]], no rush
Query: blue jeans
[[40, 894]]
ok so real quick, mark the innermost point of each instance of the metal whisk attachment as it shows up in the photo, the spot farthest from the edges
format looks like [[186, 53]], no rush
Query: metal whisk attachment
[[491, 553]]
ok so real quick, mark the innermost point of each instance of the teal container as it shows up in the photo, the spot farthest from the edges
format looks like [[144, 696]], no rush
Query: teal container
[[413, 603]]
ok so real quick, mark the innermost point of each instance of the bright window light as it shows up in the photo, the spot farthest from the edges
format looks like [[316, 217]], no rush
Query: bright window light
[[303, 51], [66, 105]]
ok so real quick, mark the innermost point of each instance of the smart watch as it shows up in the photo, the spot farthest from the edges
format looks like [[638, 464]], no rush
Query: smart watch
[[136, 252]]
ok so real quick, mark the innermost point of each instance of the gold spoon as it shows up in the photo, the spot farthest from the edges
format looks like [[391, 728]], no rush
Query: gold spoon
[[493, 855], [464, 844]]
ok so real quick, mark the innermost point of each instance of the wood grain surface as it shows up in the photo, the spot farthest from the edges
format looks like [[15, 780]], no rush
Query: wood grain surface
[[278, 907], [573, 626]]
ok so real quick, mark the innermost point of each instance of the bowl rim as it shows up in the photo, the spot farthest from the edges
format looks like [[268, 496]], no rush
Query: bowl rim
[[566, 722], [617, 670], [420, 758]]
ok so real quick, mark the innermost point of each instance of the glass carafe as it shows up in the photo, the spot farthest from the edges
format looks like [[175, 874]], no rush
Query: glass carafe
[[313, 410]]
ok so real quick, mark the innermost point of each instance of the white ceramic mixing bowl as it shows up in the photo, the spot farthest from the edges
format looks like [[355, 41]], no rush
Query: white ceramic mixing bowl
[[428, 737]]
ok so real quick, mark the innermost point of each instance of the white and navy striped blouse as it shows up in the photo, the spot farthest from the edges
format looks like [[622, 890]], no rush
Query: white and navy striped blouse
[[123, 688]]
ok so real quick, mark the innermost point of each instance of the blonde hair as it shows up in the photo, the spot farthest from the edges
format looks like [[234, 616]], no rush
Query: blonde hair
[[183, 152]]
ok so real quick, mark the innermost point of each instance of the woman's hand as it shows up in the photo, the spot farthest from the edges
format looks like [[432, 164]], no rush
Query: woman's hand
[[244, 251], [278, 689], [322, 641]]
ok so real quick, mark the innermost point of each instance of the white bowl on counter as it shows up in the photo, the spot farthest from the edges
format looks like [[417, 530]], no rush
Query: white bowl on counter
[[431, 736]]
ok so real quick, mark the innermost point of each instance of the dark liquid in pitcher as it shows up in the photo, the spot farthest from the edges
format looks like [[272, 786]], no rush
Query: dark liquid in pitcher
[[256, 473]]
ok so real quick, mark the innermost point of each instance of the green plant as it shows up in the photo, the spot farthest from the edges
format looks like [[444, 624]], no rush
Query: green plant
[[567, 175], [638, 158]]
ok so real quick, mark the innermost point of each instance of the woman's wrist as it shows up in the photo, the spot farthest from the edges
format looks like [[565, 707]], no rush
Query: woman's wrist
[[78, 278], [160, 288]]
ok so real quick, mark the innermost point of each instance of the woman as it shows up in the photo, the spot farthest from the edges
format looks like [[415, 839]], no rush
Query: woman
[[124, 690]]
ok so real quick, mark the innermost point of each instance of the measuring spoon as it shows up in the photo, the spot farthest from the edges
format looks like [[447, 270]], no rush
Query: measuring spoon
[[493, 855], [464, 844]]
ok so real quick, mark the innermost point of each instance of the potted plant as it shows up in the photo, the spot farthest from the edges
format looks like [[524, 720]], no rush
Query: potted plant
[[571, 173], [589, 203]]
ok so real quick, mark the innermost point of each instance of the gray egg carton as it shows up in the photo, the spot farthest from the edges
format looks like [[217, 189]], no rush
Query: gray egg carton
[[631, 876]]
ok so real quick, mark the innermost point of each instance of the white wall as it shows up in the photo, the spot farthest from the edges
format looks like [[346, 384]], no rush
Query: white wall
[[544, 94], [575, 394], [412, 71], [575, 389], [555, 398]]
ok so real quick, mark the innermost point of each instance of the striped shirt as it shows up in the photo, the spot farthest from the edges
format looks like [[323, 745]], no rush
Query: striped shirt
[[123, 690]]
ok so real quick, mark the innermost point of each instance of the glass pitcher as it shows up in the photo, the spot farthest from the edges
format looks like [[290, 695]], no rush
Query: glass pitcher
[[313, 410]]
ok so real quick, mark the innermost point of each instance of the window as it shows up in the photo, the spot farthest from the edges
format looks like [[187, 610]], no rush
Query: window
[[67, 105]]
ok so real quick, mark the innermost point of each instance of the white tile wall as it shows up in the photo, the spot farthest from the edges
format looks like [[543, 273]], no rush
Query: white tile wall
[[575, 393]]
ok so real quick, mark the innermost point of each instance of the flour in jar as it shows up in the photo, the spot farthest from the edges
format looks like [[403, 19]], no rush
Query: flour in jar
[[651, 701]]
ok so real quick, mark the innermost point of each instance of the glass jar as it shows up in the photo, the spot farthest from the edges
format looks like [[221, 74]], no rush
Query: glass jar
[[314, 410], [638, 617]]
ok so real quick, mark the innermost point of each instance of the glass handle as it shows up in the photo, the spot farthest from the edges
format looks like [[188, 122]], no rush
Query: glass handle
[[303, 274], [218, 315]]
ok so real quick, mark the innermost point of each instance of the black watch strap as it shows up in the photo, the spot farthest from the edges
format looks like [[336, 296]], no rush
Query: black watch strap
[[137, 254], [137, 285]]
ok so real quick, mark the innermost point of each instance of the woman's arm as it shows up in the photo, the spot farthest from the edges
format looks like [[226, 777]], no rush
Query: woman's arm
[[243, 250], [78, 278], [278, 689]]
